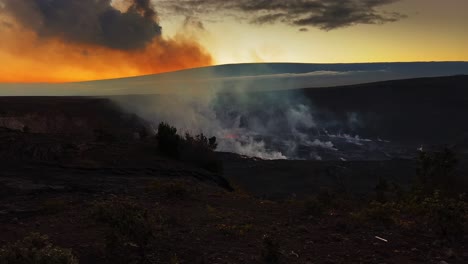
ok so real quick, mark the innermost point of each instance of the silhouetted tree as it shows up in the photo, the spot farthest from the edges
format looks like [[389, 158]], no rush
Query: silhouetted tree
[[198, 149], [168, 140]]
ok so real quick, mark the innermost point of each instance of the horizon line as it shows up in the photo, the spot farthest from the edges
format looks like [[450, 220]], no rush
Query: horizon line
[[229, 64]]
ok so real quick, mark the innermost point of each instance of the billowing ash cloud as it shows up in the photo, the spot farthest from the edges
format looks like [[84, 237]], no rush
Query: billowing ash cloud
[[88, 21], [323, 14]]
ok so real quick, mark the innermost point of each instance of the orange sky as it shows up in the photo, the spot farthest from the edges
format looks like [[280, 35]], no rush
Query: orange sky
[[432, 31], [25, 58]]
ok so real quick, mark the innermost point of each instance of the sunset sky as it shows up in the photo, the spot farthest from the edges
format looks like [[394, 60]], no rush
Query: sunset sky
[[74, 40]]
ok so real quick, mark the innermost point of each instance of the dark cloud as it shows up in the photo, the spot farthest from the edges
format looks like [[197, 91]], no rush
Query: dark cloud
[[193, 23], [88, 21], [269, 19], [323, 14]]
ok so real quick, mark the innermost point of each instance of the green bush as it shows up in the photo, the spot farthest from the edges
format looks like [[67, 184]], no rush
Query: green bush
[[436, 170], [198, 149], [132, 228], [201, 141], [380, 213], [35, 249], [384, 213], [447, 217]]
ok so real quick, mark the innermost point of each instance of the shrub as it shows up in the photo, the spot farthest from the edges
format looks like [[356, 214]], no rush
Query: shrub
[[384, 213], [201, 156], [172, 190], [436, 170], [447, 217], [234, 230], [380, 213], [35, 249], [131, 227], [168, 140], [201, 141], [270, 250], [198, 149]]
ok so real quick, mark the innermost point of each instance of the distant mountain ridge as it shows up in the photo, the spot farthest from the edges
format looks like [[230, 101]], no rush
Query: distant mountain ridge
[[244, 77], [249, 69]]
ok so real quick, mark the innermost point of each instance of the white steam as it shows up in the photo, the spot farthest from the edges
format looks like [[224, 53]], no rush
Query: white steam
[[238, 129], [351, 139], [267, 125]]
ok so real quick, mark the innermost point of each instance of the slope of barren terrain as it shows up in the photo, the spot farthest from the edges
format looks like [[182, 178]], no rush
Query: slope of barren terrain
[[95, 181]]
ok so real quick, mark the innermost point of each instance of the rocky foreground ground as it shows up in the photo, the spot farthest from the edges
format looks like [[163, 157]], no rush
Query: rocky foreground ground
[[106, 198], [179, 213]]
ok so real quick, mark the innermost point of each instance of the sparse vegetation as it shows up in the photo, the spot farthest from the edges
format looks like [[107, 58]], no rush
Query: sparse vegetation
[[168, 140], [201, 141], [176, 189], [132, 229], [35, 249], [120, 201], [447, 217], [234, 230], [213, 213], [197, 149], [326, 201], [444, 216], [444, 213], [434, 197], [436, 170], [380, 213]]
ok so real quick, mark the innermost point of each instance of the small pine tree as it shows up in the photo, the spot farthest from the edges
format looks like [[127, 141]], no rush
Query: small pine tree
[[168, 140]]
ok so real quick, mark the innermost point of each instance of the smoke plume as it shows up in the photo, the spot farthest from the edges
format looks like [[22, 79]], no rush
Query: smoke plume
[[256, 124], [93, 22], [89, 39]]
